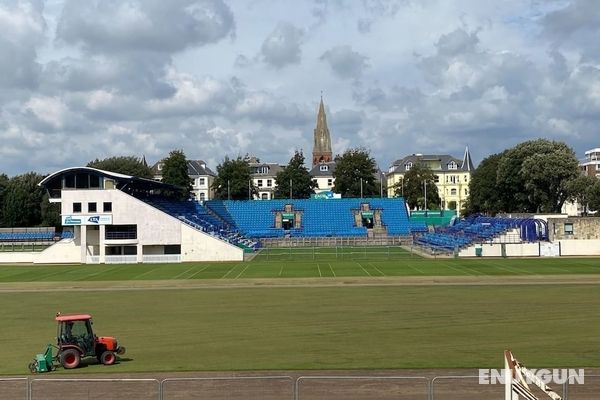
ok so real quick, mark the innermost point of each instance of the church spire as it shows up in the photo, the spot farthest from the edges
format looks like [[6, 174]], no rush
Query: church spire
[[322, 144], [467, 164]]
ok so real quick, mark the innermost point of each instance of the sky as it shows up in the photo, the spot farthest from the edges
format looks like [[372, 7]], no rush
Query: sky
[[81, 80]]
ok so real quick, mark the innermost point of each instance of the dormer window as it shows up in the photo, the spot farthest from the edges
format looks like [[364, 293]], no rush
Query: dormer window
[[408, 166], [160, 166], [324, 168], [452, 165], [262, 170]]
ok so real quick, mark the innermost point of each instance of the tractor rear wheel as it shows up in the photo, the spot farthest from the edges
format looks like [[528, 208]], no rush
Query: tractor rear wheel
[[70, 358], [33, 367], [108, 358]]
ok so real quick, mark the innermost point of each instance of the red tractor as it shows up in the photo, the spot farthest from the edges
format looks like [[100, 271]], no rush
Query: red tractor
[[76, 339]]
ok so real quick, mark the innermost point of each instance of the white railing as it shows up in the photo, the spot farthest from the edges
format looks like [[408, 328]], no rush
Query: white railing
[[120, 259], [161, 258]]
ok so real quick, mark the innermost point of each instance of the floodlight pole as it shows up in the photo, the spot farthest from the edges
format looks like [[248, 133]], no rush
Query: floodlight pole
[[228, 190], [291, 197], [249, 189], [361, 188], [425, 186]]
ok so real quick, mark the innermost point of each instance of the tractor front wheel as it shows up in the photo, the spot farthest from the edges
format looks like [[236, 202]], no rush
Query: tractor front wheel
[[70, 358], [108, 358], [33, 367]]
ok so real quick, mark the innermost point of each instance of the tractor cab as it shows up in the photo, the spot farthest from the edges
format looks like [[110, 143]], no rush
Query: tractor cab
[[76, 339], [76, 330]]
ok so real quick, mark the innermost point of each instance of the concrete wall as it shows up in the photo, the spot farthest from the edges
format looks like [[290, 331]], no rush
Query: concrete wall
[[580, 247], [198, 246], [495, 250], [67, 251], [18, 257]]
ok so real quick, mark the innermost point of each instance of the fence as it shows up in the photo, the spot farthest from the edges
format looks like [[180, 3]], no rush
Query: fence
[[336, 241], [230, 388], [330, 387], [362, 387], [334, 253], [161, 258]]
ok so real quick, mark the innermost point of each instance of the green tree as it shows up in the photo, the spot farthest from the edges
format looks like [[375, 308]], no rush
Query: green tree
[[50, 212], [483, 188], [594, 197], [415, 180], [233, 178], [352, 168], [533, 176], [127, 165], [302, 183], [3, 184], [175, 172], [22, 201], [582, 190]]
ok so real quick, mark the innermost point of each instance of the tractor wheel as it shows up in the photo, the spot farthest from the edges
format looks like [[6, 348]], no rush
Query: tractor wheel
[[70, 358], [33, 367], [108, 358]]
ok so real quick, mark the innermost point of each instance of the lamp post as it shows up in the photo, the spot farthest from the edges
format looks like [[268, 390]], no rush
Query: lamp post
[[425, 188], [228, 190], [291, 190]]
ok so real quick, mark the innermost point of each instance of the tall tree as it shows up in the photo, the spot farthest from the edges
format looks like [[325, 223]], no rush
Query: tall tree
[[299, 176], [583, 190], [50, 212], [533, 176], [233, 180], [483, 188], [3, 184], [175, 172], [127, 165], [594, 197], [354, 168], [413, 185], [22, 201]]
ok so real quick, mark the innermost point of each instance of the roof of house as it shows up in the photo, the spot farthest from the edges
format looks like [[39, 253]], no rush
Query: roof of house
[[195, 168], [444, 159], [316, 170]]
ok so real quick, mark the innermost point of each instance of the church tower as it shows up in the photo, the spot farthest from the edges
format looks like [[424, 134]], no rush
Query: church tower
[[322, 144]]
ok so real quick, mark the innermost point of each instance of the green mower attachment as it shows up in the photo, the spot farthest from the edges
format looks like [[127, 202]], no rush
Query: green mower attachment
[[43, 362]]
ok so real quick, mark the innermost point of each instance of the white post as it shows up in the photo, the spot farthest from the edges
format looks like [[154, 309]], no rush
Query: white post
[[508, 395]]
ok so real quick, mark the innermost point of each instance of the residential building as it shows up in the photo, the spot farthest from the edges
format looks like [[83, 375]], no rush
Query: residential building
[[201, 178], [322, 174], [452, 176], [590, 165], [263, 177]]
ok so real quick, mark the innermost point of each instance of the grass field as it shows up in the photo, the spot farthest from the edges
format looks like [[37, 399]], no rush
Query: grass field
[[270, 328], [318, 328], [306, 263]]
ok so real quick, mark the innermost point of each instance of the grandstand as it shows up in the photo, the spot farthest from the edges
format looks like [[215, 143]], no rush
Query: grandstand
[[480, 229], [313, 218]]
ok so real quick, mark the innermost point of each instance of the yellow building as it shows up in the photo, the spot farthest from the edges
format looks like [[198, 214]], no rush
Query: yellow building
[[452, 176]]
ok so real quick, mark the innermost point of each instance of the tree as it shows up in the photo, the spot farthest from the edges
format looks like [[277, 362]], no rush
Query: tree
[[22, 201], [3, 184], [302, 183], [484, 196], [175, 172], [354, 167], [50, 212], [413, 184], [582, 190], [127, 165], [233, 179], [533, 176], [594, 197]]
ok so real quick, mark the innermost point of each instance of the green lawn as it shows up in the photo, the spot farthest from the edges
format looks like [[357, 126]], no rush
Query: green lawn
[[303, 266], [318, 328]]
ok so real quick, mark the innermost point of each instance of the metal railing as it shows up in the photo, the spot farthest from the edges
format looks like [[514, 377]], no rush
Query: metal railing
[[120, 259], [161, 258], [271, 387]]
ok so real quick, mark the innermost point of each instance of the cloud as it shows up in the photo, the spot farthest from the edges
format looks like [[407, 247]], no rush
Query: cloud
[[140, 26], [282, 46], [23, 29], [344, 62]]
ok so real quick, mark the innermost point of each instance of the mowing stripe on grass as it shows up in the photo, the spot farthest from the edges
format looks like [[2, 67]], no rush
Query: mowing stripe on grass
[[228, 272], [319, 268], [281, 270], [197, 272]]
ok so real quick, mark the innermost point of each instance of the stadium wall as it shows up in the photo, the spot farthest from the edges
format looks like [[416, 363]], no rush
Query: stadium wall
[[495, 250], [581, 247]]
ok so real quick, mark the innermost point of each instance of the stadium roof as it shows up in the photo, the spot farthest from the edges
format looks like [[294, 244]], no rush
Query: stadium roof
[[124, 180]]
